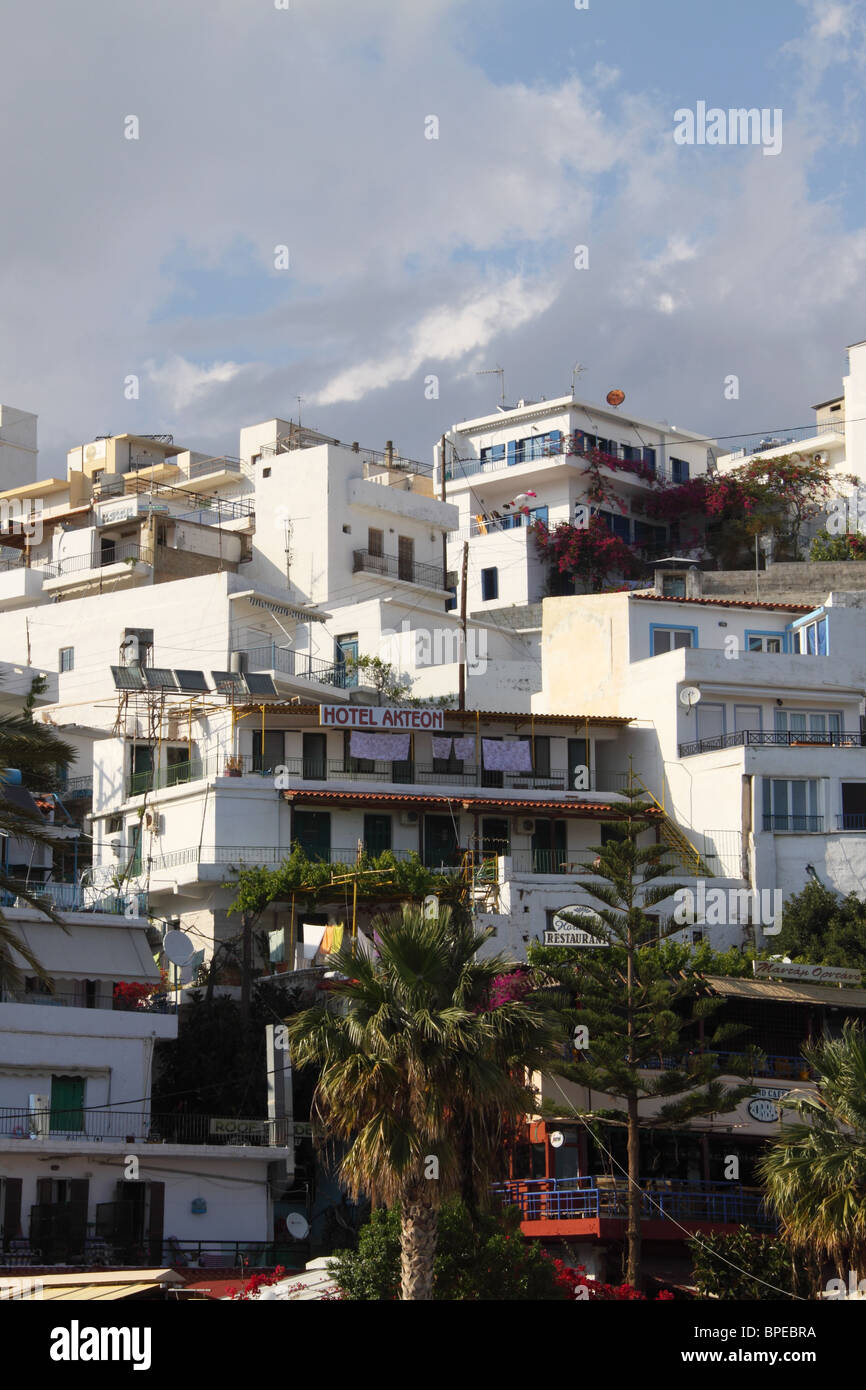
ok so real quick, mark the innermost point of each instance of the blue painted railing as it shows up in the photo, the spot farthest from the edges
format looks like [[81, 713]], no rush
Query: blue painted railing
[[589, 1198]]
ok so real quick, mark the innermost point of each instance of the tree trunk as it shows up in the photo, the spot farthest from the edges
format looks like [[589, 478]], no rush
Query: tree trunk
[[417, 1247], [634, 1195]]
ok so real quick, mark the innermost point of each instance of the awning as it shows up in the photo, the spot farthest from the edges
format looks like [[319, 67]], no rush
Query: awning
[[112, 951], [107, 1285], [793, 993], [283, 610]]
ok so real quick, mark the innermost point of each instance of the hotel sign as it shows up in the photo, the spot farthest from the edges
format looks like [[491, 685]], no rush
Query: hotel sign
[[379, 717], [812, 974]]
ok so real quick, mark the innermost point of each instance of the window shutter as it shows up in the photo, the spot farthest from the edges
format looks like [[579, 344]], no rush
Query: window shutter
[[43, 1190], [12, 1210], [512, 452], [79, 1189], [157, 1214]]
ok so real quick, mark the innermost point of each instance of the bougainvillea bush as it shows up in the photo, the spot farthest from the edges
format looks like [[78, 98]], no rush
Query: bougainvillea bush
[[579, 1285], [589, 556]]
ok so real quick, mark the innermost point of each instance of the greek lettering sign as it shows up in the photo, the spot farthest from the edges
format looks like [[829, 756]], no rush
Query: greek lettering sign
[[239, 1129], [813, 974], [379, 717]]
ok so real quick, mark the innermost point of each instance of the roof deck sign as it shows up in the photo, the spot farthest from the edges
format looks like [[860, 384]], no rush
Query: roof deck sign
[[811, 974], [379, 717], [564, 930]]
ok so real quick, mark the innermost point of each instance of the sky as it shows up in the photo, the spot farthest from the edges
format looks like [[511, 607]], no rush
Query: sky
[[416, 263]]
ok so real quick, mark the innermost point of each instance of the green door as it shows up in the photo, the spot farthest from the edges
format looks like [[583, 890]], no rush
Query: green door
[[377, 834], [312, 831], [440, 842], [67, 1103]]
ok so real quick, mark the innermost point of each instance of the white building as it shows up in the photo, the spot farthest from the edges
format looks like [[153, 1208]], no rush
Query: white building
[[87, 1170], [750, 729]]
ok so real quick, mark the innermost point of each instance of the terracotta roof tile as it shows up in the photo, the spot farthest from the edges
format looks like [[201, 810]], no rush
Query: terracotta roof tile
[[483, 803], [722, 602]]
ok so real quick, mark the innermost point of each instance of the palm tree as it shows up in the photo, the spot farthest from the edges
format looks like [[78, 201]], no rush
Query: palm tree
[[815, 1171], [413, 1058], [36, 751]]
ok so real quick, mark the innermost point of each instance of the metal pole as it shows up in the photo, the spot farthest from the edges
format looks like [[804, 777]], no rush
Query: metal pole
[[464, 570]]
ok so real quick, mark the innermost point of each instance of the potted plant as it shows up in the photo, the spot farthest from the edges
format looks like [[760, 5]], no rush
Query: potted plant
[[234, 766]]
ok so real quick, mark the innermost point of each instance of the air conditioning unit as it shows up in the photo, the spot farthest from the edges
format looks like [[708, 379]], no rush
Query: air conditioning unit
[[39, 1116], [526, 827], [116, 845], [820, 457], [154, 822], [409, 817]]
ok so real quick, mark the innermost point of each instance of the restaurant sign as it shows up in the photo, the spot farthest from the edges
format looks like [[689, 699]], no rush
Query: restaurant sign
[[565, 930], [811, 974]]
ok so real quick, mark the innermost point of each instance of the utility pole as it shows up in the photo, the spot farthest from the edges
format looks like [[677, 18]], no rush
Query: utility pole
[[464, 570], [443, 498]]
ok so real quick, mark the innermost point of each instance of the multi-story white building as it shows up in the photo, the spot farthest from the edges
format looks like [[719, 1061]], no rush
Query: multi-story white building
[[750, 726], [88, 1171]]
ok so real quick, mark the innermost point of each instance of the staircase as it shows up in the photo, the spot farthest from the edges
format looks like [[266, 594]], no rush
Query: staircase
[[687, 855], [479, 876]]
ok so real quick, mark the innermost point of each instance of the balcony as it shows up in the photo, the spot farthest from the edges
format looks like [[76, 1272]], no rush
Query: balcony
[[761, 1064], [285, 661], [118, 553], [392, 567], [74, 897], [851, 821], [76, 788], [756, 738], [795, 825], [141, 1127], [234, 857], [381, 774], [571, 1201], [65, 999]]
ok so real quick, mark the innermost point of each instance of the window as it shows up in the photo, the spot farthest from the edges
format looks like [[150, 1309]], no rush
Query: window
[[312, 831], [495, 453], [144, 638], [765, 642], [405, 558], [375, 542], [67, 658], [808, 726], [853, 806], [266, 472], [674, 585], [791, 805], [679, 471], [810, 639], [489, 584], [114, 825], [377, 834], [669, 639], [578, 757], [649, 457], [313, 761], [179, 765]]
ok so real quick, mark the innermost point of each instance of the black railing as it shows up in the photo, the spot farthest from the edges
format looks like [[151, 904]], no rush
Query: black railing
[[156, 1004], [410, 571], [851, 820], [590, 1198], [142, 1127], [427, 774], [757, 738], [119, 552], [285, 661]]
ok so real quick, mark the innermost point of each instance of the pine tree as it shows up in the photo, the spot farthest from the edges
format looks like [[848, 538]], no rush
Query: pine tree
[[634, 1011]]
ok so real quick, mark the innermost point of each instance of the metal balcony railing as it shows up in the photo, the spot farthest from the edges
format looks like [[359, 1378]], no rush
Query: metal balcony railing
[[796, 824], [745, 738], [778, 1065], [65, 999], [589, 1198], [74, 897], [118, 553], [142, 1127], [850, 820], [287, 662], [392, 567]]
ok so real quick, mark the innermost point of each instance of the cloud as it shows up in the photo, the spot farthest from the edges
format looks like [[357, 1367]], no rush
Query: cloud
[[445, 334], [185, 382]]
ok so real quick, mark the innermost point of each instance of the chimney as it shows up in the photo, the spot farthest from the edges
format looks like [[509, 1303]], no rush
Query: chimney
[[389, 452]]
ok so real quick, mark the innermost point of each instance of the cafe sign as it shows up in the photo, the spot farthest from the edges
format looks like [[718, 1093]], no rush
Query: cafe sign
[[563, 932], [379, 717], [812, 974]]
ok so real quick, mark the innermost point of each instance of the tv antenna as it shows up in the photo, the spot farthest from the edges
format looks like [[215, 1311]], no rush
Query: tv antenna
[[577, 370], [300, 400], [500, 372]]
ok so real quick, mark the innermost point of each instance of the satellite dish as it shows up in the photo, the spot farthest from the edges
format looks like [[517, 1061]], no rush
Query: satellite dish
[[615, 397], [690, 695], [297, 1226], [178, 947]]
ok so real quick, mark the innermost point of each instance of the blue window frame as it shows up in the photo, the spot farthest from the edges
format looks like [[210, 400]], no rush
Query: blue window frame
[[679, 470], [668, 637], [490, 583], [759, 640], [494, 453], [810, 636]]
